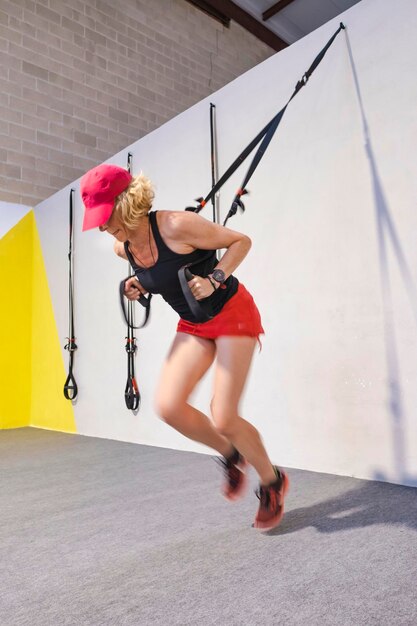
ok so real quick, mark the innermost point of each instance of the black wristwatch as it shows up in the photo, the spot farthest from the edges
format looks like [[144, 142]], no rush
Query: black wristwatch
[[219, 276]]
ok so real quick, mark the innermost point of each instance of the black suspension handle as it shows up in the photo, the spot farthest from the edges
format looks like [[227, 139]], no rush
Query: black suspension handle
[[197, 308], [132, 395], [142, 299], [70, 387]]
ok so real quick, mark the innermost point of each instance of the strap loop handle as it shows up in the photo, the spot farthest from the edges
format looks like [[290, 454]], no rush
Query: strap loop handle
[[143, 300], [132, 395], [70, 386], [199, 308]]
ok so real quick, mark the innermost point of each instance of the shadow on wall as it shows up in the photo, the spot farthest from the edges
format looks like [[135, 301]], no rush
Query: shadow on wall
[[373, 503], [386, 232]]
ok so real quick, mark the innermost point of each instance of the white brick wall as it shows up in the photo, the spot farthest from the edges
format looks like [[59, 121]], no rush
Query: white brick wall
[[81, 80]]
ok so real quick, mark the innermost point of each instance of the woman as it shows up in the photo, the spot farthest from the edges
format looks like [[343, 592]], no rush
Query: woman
[[158, 244]]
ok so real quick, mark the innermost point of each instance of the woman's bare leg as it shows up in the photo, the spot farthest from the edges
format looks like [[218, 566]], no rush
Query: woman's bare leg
[[234, 356], [188, 360]]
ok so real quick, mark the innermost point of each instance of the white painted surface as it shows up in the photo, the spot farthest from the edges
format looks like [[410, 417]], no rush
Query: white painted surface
[[334, 388], [10, 215]]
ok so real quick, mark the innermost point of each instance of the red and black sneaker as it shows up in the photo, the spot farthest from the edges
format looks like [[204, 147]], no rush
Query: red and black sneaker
[[235, 477], [271, 505]]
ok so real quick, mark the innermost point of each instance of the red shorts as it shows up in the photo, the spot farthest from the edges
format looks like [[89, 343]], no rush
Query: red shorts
[[239, 316]]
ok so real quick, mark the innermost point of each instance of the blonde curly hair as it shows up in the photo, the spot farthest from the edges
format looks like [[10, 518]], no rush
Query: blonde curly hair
[[135, 201]]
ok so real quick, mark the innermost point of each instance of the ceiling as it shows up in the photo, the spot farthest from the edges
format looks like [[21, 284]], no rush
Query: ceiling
[[278, 23], [298, 18]]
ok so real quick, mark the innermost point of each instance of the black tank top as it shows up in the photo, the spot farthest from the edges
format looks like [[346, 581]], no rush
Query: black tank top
[[162, 278]]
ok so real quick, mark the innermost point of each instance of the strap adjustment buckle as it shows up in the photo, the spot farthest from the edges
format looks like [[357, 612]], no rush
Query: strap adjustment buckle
[[302, 82], [196, 209], [71, 346], [131, 346]]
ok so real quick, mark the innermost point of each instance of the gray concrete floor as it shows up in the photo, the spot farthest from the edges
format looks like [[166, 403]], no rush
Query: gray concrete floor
[[98, 532]]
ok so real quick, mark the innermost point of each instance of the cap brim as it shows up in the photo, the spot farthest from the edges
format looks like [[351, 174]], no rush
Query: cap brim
[[93, 218]]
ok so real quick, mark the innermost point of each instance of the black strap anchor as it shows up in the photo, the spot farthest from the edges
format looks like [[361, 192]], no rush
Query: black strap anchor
[[70, 385]]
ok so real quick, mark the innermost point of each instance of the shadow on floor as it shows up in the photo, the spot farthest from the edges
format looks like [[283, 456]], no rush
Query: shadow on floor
[[371, 503]]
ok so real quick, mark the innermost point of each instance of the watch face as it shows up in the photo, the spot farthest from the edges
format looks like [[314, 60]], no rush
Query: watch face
[[219, 276]]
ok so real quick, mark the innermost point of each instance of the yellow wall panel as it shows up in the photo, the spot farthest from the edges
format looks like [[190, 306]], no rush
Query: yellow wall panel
[[49, 407], [16, 250]]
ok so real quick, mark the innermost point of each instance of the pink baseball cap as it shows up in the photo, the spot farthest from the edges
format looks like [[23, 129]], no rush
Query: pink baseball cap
[[99, 188]]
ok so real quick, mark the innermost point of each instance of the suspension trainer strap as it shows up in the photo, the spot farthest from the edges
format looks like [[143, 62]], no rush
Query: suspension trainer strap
[[265, 136], [237, 202], [70, 385], [231, 170], [131, 393], [213, 152], [143, 300], [316, 61]]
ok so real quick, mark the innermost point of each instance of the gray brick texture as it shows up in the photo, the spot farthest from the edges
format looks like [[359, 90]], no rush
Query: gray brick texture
[[81, 80]]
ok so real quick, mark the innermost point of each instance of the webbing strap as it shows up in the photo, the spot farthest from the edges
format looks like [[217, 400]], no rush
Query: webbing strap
[[213, 157], [266, 135], [131, 393], [70, 385], [316, 61]]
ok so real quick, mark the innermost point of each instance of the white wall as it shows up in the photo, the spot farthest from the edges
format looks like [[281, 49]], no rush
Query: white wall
[[10, 215], [334, 388]]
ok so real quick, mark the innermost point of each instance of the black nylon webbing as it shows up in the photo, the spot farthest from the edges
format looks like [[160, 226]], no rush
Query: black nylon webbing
[[70, 385], [213, 157], [266, 135], [131, 393]]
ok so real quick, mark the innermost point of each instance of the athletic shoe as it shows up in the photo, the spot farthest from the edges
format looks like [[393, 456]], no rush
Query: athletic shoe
[[271, 506], [235, 477]]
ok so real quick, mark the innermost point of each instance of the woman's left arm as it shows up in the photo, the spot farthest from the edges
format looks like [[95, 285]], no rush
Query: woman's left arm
[[194, 230]]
